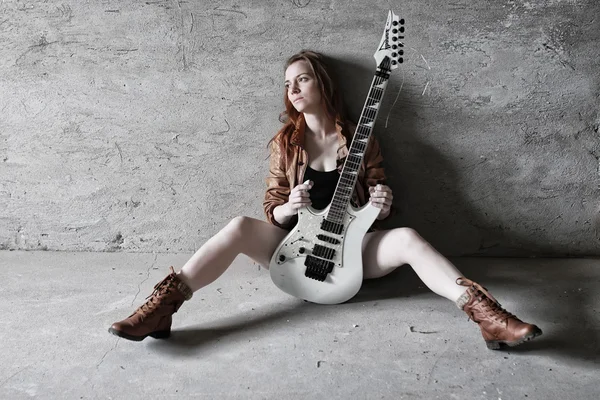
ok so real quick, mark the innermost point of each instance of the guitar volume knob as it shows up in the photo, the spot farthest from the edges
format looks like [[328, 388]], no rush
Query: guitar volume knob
[[282, 258]]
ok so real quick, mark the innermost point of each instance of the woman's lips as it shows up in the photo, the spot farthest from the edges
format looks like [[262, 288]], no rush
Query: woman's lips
[[299, 98]]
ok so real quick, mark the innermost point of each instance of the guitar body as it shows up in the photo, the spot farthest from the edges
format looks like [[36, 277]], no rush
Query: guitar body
[[320, 260], [288, 269]]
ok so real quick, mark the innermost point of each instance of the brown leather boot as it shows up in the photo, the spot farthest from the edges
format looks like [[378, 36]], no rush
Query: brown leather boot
[[498, 326], [153, 318]]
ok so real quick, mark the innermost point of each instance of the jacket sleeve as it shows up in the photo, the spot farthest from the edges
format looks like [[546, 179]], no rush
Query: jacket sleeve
[[278, 186], [374, 172]]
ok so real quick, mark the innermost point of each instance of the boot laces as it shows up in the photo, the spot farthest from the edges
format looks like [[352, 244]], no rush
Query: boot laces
[[489, 305], [155, 299]]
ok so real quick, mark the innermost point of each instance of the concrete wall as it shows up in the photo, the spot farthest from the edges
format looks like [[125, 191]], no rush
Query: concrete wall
[[142, 125]]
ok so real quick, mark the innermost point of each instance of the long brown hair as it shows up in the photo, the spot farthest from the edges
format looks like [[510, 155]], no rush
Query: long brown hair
[[331, 99]]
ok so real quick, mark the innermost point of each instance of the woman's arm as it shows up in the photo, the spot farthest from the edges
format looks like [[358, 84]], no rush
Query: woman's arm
[[278, 189]]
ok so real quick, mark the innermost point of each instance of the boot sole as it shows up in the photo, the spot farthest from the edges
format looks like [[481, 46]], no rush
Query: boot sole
[[498, 344], [155, 335]]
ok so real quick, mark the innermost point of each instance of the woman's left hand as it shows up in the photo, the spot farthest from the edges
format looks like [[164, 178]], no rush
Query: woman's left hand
[[381, 197]]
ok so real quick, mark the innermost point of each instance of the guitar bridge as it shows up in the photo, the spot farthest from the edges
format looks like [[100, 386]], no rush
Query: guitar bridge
[[317, 268]]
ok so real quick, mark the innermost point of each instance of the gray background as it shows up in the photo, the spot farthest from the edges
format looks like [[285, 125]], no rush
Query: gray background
[[142, 126]]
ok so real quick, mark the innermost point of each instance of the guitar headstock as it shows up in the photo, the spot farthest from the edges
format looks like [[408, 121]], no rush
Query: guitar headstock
[[391, 44]]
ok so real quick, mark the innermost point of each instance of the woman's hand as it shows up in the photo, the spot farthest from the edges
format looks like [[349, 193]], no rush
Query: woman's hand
[[299, 197], [381, 197]]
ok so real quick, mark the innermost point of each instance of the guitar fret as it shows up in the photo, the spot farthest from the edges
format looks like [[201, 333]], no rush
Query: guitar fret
[[354, 158], [358, 145]]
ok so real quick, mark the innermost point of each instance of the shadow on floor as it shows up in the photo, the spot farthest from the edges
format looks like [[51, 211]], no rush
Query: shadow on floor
[[563, 300]]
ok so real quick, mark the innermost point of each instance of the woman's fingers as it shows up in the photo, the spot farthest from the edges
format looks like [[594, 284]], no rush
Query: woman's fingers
[[381, 196], [380, 191], [307, 185], [300, 196]]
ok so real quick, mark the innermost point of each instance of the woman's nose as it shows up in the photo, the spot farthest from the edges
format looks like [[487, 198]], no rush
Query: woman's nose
[[294, 88]]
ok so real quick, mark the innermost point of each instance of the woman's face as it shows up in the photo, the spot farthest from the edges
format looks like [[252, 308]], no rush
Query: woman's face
[[302, 88]]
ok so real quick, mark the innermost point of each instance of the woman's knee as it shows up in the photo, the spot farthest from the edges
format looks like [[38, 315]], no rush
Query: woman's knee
[[237, 227], [408, 238]]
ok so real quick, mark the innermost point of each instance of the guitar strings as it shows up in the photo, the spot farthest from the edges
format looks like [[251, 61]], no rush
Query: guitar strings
[[370, 114]]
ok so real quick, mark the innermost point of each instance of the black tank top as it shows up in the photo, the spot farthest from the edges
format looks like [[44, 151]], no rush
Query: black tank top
[[323, 188]]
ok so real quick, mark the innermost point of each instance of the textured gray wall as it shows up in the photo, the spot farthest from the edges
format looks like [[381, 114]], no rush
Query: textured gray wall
[[142, 126]]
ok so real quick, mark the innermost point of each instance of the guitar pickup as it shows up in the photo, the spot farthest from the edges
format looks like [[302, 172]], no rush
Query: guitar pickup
[[323, 252], [328, 239], [332, 227]]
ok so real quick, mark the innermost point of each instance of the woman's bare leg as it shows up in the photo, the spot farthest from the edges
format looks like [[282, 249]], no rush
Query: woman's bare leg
[[242, 235], [384, 251]]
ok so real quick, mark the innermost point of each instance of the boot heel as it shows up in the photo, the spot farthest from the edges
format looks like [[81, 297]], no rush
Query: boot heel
[[493, 345], [160, 334]]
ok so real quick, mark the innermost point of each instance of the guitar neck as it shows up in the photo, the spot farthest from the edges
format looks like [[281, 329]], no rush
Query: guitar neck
[[356, 153]]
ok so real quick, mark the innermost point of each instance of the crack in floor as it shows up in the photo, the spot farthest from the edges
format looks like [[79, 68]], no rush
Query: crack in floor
[[105, 354], [133, 301], [13, 375], [147, 277]]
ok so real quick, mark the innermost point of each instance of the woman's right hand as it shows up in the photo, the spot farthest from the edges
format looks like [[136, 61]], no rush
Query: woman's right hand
[[299, 197]]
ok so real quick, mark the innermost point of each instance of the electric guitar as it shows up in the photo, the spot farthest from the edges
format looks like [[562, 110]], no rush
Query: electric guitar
[[320, 260]]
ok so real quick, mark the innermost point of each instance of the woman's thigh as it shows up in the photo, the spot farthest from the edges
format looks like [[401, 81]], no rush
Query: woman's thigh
[[384, 251], [258, 239]]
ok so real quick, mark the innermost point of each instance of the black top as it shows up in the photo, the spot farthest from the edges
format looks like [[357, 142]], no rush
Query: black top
[[324, 186]]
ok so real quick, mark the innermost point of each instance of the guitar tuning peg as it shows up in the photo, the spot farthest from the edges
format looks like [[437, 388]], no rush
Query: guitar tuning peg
[[402, 21], [400, 60], [394, 38], [395, 23], [401, 29]]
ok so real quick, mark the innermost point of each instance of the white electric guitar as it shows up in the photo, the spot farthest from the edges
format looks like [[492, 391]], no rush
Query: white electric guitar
[[320, 260]]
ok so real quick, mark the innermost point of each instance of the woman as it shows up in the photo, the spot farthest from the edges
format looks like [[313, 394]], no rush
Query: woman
[[306, 157]]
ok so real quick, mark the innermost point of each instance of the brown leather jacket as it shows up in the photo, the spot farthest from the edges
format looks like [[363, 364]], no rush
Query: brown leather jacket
[[285, 173]]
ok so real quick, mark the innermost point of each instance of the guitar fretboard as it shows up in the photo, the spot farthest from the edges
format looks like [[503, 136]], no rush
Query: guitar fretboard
[[349, 174]]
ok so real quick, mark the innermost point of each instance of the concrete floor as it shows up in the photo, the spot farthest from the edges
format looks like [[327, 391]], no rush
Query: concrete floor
[[241, 338]]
